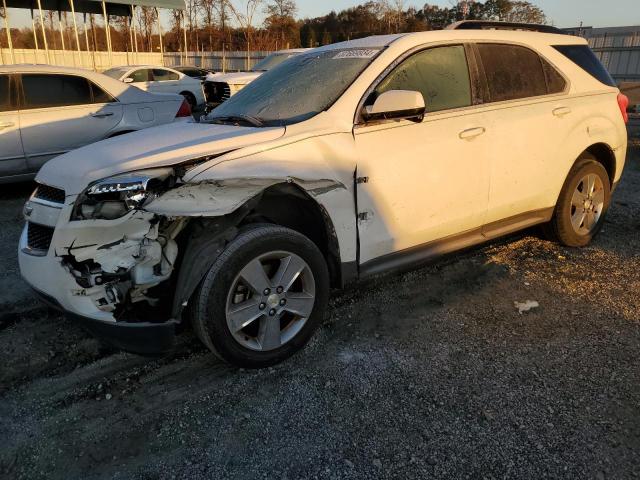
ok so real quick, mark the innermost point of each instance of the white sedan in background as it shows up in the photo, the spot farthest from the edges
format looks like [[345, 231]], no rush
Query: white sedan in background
[[46, 111], [219, 87], [160, 80]]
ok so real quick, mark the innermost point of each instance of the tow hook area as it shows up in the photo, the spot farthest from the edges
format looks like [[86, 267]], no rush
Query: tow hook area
[[115, 271]]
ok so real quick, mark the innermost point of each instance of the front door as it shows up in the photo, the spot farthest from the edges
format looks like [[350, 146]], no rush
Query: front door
[[426, 181]]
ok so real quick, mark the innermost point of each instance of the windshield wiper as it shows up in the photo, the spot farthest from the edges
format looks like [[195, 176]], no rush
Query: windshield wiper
[[236, 119]]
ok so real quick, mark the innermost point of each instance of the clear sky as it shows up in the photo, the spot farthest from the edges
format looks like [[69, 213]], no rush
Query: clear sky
[[562, 13]]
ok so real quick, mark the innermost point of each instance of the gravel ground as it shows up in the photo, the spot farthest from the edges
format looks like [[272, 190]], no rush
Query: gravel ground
[[429, 374]]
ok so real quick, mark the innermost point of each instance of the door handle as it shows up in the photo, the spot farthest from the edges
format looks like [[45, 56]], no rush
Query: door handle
[[6, 125], [471, 133], [102, 115], [561, 111]]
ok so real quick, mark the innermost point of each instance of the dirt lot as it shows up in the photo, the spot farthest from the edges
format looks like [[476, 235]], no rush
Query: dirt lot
[[430, 374]]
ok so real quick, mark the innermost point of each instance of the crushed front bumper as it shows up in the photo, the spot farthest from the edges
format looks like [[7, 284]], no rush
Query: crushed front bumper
[[142, 338], [44, 270]]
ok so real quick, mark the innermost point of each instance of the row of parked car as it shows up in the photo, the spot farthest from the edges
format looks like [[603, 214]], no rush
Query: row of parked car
[[47, 110]]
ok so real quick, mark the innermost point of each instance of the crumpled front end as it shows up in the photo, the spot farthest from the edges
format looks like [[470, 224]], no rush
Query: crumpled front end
[[102, 269]]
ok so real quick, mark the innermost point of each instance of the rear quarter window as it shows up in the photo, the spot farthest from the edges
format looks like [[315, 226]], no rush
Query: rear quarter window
[[582, 56]]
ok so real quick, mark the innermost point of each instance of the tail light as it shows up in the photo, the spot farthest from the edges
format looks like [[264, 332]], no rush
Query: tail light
[[623, 103], [184, 110]]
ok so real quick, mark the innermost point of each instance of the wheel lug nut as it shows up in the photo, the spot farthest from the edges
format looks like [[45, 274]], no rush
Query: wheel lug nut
[[272, 312], [266, 291], [262, 306], [283, 302], [279, 290]]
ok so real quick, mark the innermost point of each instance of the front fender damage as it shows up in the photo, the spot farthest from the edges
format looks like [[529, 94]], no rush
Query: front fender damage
[[164, 248]]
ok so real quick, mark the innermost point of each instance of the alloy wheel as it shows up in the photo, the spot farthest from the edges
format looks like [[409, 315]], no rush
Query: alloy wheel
[[270, 300]]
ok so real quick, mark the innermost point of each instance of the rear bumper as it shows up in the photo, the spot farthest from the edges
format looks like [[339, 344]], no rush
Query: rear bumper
[[142, 338]]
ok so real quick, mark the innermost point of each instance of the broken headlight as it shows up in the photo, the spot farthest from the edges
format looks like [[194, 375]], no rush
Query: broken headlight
[[114, 197]]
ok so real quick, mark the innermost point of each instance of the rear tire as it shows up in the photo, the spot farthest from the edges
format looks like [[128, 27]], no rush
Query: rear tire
[[582, 205], [263, 298]]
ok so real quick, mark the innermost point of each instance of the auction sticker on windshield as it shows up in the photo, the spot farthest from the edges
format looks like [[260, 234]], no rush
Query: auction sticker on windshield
[[356, 54]]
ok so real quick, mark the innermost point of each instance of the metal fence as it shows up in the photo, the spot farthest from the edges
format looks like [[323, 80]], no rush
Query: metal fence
[[218, 61]]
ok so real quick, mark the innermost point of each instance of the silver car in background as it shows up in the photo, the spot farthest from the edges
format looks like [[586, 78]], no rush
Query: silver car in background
[[46, 111]]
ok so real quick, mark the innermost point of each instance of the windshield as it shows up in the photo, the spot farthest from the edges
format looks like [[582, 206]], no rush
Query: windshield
[[115, 72], [270, 61], [297, 89]]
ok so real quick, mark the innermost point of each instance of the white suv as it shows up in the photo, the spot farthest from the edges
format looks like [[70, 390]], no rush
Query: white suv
[[341, 163]]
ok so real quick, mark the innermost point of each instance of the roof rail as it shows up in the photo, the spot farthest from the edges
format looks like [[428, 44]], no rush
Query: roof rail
[[493, 25]]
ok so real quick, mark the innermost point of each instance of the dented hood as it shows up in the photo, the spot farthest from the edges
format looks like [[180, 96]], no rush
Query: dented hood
[[161, 146]]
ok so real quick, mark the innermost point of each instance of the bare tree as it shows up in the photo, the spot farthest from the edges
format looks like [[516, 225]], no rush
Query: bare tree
[[281, 21], [244, 14], [146, 19]]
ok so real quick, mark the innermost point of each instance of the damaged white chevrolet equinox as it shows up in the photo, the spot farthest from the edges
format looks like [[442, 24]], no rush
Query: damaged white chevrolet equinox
[[344, 162]]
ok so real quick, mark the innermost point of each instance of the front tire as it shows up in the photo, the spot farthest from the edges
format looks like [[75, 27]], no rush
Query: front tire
[[582, 205], [263, 298]]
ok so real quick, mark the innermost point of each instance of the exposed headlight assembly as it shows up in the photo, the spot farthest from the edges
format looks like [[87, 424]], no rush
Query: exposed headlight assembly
[[114, 197]]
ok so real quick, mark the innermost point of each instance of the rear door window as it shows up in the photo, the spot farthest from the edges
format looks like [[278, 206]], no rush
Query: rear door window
[[46, 90], [582, 56], [441, 74], [512, 72], [162, 75], [142, 75], [5, 93]]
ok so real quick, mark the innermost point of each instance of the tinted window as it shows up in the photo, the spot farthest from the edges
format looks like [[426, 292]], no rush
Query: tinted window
[[160, 75], [192, 72], [440, 74], [5, 99], [99, 95], [555, 82], [142, 75], [512, 72], [41, 91], [582, 56]]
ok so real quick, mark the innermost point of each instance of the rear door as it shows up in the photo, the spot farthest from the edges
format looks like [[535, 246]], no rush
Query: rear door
[[12, 161], [165, 81], [528, 117], [61, 112]]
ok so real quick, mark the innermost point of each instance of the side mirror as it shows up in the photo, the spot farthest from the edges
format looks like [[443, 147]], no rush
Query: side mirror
[[128, 80], [396, 104]]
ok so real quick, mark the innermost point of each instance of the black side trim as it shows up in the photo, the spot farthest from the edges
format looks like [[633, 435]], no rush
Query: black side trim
[[418, 255], [348, 273]]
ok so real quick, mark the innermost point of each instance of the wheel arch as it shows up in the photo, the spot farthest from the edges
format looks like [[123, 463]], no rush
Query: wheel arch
[[289, 205], [285, 204], [604, 154]]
